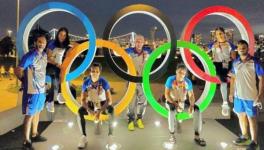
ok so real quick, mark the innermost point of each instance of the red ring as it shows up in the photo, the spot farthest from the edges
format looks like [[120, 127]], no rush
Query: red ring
[[187, 32]]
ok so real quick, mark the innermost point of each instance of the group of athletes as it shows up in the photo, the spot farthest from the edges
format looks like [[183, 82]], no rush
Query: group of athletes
[[245, 75]]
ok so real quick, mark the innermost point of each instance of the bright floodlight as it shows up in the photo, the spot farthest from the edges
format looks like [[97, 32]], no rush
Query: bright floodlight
[[114, 123], [55, 147], [70, 124], [157, 123], [168, 145], [112, 146], [223, 145]]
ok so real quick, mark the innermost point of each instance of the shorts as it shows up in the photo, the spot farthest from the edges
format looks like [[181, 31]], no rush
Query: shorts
[[33, 103], [245, 106]]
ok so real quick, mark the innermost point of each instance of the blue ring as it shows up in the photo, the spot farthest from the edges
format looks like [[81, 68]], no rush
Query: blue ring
[[59, 6]]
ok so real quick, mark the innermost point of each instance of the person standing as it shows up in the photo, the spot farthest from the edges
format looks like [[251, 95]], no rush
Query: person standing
[[223, 53], [245, 94], [137, 107], [56, 51], [31, 71]]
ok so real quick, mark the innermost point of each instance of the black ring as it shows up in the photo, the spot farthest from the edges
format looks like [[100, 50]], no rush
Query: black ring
[[170, 31]]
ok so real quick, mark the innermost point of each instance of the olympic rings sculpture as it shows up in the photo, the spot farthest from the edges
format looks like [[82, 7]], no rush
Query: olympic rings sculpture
[[209, 90], [35, 14], [161, 18], [170, 48], [71, 102], [241, 23]]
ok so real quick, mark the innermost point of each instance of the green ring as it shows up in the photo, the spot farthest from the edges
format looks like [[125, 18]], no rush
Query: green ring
[[210, 91]]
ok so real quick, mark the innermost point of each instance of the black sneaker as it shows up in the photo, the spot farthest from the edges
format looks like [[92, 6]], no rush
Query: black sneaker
[[241, 141], [252, 146], [38, 138], [27, 146]]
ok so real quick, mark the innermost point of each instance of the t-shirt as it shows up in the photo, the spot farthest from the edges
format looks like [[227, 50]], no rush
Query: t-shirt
[[178, 90], [139, 59], [221, 54], [34, 65], [57, 53], [245, 77], [96, 91]]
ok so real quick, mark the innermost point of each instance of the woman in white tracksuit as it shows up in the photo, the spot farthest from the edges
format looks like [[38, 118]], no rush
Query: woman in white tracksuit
[[223, 52]]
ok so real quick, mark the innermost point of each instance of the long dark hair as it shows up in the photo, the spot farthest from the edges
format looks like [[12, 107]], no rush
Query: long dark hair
[[220, 29], [66, 42]]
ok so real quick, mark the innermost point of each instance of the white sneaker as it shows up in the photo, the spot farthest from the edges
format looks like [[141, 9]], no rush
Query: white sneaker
[[60, 99], [225, 109], [50, 107], [172, 139], [83, 142]]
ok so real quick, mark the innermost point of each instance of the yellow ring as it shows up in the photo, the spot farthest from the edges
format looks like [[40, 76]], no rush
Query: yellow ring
[[71, 103]]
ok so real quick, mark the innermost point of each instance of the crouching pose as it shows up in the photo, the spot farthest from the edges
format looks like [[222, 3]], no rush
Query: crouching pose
[[176, 89], [96, 99]]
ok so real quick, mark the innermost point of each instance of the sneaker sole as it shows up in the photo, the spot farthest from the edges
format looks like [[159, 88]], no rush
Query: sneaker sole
[[131, 129], [242, 144], [172, 142], [81, 147], [50, 111], [61, 102], [140, 127], [84, 146]]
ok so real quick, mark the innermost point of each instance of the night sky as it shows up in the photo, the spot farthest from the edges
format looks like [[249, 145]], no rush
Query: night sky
[[100, 11]]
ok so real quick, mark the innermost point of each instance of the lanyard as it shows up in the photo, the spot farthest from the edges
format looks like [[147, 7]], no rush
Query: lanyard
[[219, 44], [97, 86]]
